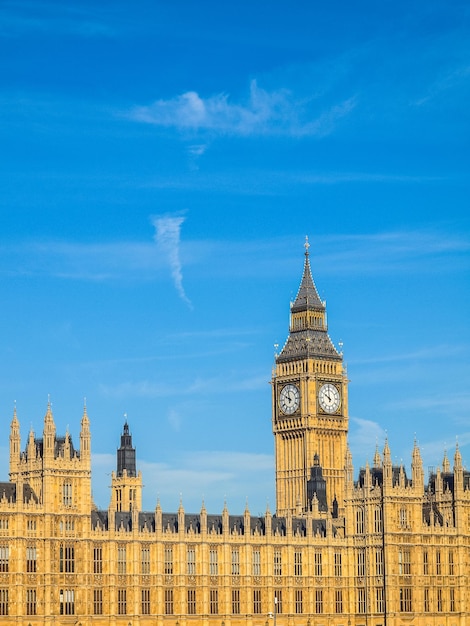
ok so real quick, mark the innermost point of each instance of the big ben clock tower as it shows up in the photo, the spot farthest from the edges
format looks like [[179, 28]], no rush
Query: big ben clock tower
[[310, 405]]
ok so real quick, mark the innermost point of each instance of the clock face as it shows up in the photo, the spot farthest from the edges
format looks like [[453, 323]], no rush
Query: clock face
[[289, 399], [329, 398]]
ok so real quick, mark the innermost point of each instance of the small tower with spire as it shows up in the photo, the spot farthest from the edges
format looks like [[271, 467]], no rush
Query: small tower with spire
[[126, 482], [49, 432], [15, 444], [417, 472]]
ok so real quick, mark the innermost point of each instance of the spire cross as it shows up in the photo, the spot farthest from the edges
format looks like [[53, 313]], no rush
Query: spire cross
[[306, 245]]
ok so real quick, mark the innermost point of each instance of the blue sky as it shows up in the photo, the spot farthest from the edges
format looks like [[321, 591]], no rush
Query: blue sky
[[162, 163]]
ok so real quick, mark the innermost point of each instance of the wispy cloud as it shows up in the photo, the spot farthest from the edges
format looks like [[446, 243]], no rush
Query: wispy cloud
[[377, 253], [425, 354], [265, 113], [197, 386], [24, 16], [81, 261], [167, 236], [399, 250], [362, 434], [458, 404], [453, 78], [174, 419], [99, 261]]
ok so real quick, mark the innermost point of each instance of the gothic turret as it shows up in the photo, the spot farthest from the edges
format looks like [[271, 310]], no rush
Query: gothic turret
[[126, 482], [126, 454], [417, 474], [15, 445], [85, 436], [49, 433]]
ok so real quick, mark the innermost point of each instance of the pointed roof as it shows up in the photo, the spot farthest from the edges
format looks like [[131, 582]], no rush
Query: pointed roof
[[85, 418], [15, 424], [48, 417], [445, 463], [307, 295], [309, 339], [386, 453], [126, 454], [377, 457], [416, 454], [457, 456]]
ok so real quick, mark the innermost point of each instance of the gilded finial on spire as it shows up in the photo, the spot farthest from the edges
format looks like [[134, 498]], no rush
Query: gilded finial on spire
[[306, 245]]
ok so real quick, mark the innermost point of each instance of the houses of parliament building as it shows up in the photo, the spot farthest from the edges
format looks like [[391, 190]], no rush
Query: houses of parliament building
[[380, 548]]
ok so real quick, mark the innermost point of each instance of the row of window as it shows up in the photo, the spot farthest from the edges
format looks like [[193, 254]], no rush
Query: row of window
[[360, 521], [67, 524], [214, 562], [67, 561], [66, 602], [403, 520], [434, 599]]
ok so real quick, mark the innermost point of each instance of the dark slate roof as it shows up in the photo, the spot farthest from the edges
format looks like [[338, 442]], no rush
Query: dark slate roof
[[278, 525], [307, 296], [214, 524], [99, 519], [396, 470], [432, 514], [123, 519], [147, 521], [170, 522], [309, 341], [8, 490], [237, 523], [466, 480], [29, 494], [59, 444], [447, 482], [377, 476], [192, 522], [299, 526], [376, 473], [306, 343], [319, 527], [39, 443], [257, 525]]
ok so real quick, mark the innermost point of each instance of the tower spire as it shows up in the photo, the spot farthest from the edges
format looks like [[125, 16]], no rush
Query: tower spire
[[308, 330], [307, 295], [126, 453]]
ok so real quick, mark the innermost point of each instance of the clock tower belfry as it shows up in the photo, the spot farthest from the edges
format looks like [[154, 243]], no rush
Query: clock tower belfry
[[309, 405]]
